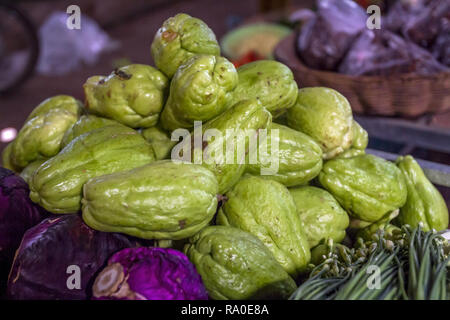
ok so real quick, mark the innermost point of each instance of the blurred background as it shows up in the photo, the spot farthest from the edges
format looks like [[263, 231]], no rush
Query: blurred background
[[41, 57]]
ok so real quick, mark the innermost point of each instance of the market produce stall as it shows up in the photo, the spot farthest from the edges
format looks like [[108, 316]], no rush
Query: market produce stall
[[194, 179]]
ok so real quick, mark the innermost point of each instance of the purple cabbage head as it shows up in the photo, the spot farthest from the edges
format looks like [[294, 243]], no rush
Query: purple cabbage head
[[17, 215], [59, 258], [149, 274]]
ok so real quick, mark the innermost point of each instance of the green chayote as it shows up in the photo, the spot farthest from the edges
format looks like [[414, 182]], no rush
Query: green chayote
[[6, 158], [162, 200], [41, 135], [29, 170], [133, 95], [85, 124], [236, 265], [359, 144], [160, 141], [199, 91], [57, 184], [180, 38], [271, 82], [234, 128], [266, 209], [325, 115], [322, 216], [424, 203], [366, 186], [56, 102], [381, 226], [296, 159]]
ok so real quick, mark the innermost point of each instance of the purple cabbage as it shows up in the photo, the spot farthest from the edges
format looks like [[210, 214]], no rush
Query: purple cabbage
[[59, 259], [149, 274], [17, 215]]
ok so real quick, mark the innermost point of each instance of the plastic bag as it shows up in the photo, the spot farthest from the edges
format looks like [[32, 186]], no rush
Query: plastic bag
[[325, 39], [381, 52], [63, 49]]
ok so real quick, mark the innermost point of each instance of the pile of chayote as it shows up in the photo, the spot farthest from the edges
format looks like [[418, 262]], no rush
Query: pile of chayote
[[248, 234]]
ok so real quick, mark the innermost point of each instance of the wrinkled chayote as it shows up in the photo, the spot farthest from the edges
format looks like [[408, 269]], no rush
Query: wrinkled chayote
[[179, 38], [382, 226], [359, 144], [266, 209], [85, 124], [322, 216], [133, 95], [6, 158], [160, 141], [162, 200], [199, 91], [325, 115], [41, 135], [236, 265], [271, 82], [57, 184], [296, 159], [424, 202], [28, 171], [226, 140], [366, 186]]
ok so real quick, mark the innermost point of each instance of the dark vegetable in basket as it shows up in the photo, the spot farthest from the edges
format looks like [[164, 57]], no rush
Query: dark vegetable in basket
[[59, 258], [325, 39], [401, 12], [425, 27], [381, 52], [441, 47], [17, 214], [149, 274]]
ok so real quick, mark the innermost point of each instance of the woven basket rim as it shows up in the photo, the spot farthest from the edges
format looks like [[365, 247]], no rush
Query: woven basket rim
[[298, 64]]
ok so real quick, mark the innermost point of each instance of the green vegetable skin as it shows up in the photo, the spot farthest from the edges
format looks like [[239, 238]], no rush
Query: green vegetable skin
[[325, 115], [299, 157], [133, 95], [162, 200], [29, 170], [360, 142], [180, 38], [235, 265], [247, 114], [266, 209], [271, 82], [424, 203], [6, 158], [41, 135], [160, 141], [85, 124], [366, 186], [322, 216], [199, 91], [57, 185]]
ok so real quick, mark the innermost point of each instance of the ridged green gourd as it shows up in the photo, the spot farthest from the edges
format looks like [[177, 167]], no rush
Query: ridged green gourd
[[57, 184], [162, 200], [266, 209], [236, 265]]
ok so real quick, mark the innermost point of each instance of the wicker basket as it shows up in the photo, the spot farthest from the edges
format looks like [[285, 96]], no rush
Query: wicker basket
[[406, 95]]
